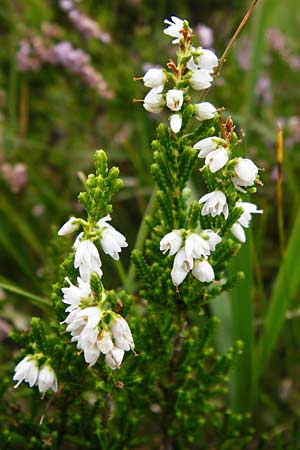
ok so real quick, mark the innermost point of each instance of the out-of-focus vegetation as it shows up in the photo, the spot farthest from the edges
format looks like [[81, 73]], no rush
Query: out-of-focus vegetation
[[57, 107]]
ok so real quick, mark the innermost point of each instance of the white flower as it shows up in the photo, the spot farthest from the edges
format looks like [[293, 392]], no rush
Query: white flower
[[153, 102], [195, 247], [87, 258], [171, 241], [216, 159], [245, 173], [244, 220], [201, 79], [181, 267], [26, 370], [104, 342], [155, 78], [72, 295], [214, 203], [91, 354], [174, 28], [203, 271], [213, 239], [248, 209], [205, 60], [208, 145], [175, 123], [122, 334], [87, 338], [204, 111], [174, 99], [114, 358], [111, 240], [91, 315], [47, 379], [68, 227], [238, 231]]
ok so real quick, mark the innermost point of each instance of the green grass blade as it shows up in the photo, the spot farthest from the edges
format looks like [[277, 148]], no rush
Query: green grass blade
[[242, 329], [11, 248], [18, 221], [285, 288], [221, 308], [23, 293]]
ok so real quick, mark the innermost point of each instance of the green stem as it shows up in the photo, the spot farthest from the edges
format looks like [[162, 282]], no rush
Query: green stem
[[23, 293], [139, 243], [120, 269]]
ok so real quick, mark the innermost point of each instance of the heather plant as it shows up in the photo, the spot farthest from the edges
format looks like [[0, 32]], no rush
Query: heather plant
[[135, 366]]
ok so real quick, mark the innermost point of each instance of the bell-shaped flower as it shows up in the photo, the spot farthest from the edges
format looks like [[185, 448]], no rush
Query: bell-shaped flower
[[73, 295], [208, 145], [238, 232], [212, 239], [26, 370], [181, 267], [104, 342], [204, 111], [154, 78], [91, 354], [248, 209], [201, 79], [205, 60], [244, 220], [87, 258], [195, 247], [174, 99], [171, 241], [87, 337], [111, 240], [245, 173], [47, 379], [175, 123], [114, 358], [91, 315], [174, 29], [217, 159], [154, 101], [203, 271], [70, 226], [215, 203], [121, 334]]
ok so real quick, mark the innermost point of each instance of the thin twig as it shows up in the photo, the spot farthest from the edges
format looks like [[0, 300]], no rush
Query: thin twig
[[279, 189], [222, 60], [235, 35]]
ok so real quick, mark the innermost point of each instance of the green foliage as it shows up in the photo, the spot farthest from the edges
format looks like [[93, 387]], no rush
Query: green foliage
[[50, 121], [100, 188]]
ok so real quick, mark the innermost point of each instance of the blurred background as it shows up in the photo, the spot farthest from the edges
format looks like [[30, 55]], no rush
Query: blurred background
[[66, 89]]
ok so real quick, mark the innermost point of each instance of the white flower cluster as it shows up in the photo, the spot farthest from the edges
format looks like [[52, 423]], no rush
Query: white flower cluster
[[28, 370], [191, 254], [243, 173], [195, 69], [196, 73], [87, 258], [85, 320], [89, 329]]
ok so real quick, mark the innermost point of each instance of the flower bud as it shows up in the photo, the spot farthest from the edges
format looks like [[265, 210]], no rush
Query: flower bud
[[204, 111], [201, 79], [154, 78], [68, 227], [175, 123], [153, 102], [203, 271], [245, 172]]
